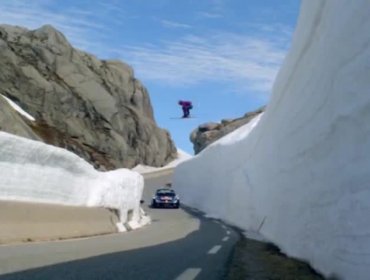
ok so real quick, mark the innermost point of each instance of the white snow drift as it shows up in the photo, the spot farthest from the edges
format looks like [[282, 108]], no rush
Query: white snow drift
[[181, 157], [301, 176], [35, 172]]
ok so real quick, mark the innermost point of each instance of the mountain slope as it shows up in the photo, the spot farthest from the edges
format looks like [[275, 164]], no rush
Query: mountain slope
[[95, 108]]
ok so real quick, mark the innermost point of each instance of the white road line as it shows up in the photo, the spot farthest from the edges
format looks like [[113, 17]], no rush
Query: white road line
[[214, 250], [228, 232], [225, 239], [189, 274]]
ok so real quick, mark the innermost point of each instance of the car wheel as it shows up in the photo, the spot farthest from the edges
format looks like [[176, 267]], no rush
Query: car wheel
[[154, 205]]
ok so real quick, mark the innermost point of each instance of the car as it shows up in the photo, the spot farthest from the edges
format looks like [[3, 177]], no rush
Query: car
[[165, 198]]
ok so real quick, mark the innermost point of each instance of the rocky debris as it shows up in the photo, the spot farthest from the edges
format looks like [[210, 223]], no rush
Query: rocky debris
[[207, 133], [95, 108]]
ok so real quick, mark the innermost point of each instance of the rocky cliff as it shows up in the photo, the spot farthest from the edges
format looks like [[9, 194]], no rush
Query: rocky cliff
[[208, 133], [95, 108]]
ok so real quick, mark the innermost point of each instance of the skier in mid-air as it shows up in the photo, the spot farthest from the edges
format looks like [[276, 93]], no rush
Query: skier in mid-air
[[186, 107]]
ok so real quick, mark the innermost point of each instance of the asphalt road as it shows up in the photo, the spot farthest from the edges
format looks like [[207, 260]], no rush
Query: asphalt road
[[179, 244]]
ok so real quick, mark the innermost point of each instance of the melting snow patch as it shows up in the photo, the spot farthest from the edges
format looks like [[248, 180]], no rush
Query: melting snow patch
[[18, 108]]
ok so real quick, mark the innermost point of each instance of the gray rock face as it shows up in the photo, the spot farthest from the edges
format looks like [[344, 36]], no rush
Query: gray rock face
[[96, 108], [12, 122], [207, 133]]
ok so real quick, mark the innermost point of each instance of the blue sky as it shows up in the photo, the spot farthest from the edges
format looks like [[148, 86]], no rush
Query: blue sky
[[221, 54]]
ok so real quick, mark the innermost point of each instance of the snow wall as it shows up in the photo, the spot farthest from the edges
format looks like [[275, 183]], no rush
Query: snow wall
[[301, 177], [36, 172]]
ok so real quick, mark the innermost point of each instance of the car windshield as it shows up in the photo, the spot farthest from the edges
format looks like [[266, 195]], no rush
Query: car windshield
[[166, 193]]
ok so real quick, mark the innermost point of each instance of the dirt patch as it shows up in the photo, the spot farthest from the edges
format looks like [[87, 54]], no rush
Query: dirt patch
[[28, 222], [263, 261]]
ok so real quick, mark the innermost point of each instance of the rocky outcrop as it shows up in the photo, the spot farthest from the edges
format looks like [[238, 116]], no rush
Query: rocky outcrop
[[13, 122], [95, 108], [208, 133]]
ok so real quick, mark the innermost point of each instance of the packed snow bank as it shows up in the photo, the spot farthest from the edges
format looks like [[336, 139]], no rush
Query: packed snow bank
[[214, 182], [301, 176], [181, 157], [35, 172]]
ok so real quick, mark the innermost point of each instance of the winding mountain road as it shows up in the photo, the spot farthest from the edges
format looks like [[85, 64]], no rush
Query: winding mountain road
[[179, 244]]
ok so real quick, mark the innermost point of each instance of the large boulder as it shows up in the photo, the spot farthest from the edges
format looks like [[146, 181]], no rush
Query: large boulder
[[95, 108], [207, 133]]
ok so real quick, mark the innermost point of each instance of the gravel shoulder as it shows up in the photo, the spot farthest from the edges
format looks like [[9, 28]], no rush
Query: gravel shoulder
[[258, 260]]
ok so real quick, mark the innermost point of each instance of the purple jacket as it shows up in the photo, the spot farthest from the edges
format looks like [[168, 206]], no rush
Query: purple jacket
[[185, 103]]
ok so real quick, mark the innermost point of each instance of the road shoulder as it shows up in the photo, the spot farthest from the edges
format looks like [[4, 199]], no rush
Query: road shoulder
[[258, 260], [27, 222]]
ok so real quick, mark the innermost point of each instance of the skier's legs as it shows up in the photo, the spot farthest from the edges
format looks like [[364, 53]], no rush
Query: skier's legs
[[187, 112], [184, 112], [190, 107]]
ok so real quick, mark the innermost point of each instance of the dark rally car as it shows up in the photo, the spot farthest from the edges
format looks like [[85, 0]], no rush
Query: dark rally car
[[165, 198]]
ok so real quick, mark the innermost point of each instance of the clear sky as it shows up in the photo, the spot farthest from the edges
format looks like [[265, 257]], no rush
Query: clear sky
[[221, 54]]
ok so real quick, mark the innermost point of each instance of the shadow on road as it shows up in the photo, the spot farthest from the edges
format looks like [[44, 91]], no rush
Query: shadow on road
[[164, 261]]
